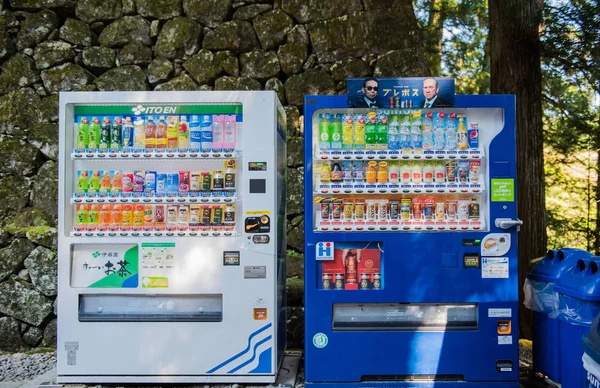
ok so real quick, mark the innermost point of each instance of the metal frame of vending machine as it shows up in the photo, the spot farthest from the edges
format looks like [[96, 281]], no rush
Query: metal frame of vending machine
[[412, 283], [171, 247]]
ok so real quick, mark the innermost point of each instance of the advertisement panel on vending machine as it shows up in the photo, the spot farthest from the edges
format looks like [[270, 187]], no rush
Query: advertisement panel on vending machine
[[410, 237], [171, 246]]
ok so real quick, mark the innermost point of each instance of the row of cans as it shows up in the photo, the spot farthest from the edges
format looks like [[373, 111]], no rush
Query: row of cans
[[140, 181], [405, 209], [152, 217], [338, 281]]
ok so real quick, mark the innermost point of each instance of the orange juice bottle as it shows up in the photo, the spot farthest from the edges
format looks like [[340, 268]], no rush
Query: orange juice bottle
[[116, 216], [149, 215], [127, 216], [105, 182], [371, 172], [138, 216], [105, 215], [382, 173], [117, 182]]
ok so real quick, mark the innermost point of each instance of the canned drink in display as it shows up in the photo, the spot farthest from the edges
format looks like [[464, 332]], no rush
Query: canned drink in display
[[405, 209], [160, 216], [218, 180], [463, 209], [429, 208], [336, 210], [206, 215], [325, 210], [382, 210], [195, 180], [149, 215], [474, 210], [394, 209], [371, 210], [138, 181], [229, 215], [473, 135], [184, 181], [173, 182], [183, 219], [217, 218], [440, 210], [348, 209], [359, 210], [377, 281], [161, 183], [138, 216], [326, 281], [206, 181], [127, 215], [364, 281], [451, 209], [474, 166], [172, 215], [195, 212], [417, 209], [127, 182], [451, 167], [463, 171], [150, 182], [339, 281]]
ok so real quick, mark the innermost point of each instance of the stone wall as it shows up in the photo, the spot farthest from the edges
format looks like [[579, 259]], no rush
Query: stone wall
[[294, 47]]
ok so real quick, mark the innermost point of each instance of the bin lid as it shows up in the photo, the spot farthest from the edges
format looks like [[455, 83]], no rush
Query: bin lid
[[556, 263], [582, 281], [591, 341]]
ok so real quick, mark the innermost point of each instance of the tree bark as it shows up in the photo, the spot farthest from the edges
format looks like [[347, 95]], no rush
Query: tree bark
[[435, 36], [515, 69]]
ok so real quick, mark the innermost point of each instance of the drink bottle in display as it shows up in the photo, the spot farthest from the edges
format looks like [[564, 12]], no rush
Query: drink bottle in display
[[94, 182], [336, 173], [206, 134], [405, 140], [324, 139], [172, 132], [83, 135], [348, 139], [358, 171], [428, 142], [394, 172], [94, 215], [150, 133], [382, 132], [405, 172], [94, 133], [183, 138], [428, 172], [347, 171], [138, 133], [473, 135], [371, 134], [451, 140], [127, 133], [439, 141], [394, 133], [195, 133], [440, 172], [161, 133], [217, 132], [416, 172], [83, 181], [105, 130], [116, 185], [116, 135], [82, 218], [229, 132], [105, 181], [335, 133], [461, 134], [359, 132]]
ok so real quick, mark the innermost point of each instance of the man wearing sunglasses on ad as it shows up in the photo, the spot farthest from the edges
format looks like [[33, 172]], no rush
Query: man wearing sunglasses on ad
[[370, 90]]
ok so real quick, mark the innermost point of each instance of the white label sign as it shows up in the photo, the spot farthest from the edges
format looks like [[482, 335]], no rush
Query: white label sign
[[505, 340], [499, 313], [494, 267], [324, 250]]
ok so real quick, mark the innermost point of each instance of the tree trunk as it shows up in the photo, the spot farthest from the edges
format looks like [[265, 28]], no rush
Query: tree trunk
[[435, 36], [515, 69], [596, 238]]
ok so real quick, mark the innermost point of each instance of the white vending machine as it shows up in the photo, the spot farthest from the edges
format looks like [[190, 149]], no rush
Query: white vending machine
[[171, 237]]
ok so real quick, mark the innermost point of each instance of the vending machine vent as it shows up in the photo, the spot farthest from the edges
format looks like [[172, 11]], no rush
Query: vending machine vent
[[418, 378]]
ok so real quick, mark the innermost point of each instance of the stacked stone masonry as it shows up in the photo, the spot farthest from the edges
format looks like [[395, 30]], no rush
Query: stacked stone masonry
[[295, 47]]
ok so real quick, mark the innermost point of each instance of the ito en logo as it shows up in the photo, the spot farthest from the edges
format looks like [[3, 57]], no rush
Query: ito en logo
[[138, 110], [320, 340], [325, 250]]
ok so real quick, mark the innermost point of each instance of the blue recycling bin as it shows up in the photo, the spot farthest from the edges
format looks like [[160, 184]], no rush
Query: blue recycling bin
[[578, 293], [546, 335], [591, 355]]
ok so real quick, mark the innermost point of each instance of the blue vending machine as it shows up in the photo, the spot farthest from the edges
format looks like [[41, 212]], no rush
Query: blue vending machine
[[411, 244]]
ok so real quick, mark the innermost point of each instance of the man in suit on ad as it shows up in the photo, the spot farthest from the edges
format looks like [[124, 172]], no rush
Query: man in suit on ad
[[430, 91], [369, 98]]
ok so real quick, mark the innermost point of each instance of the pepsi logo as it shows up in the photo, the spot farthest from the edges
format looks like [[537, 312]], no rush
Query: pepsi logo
[[473, 135]]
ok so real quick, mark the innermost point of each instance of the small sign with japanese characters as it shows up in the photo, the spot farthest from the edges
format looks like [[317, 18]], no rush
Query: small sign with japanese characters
[[104, 266]]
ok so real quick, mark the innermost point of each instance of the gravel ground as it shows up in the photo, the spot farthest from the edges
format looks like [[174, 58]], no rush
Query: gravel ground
[[23, 367]]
